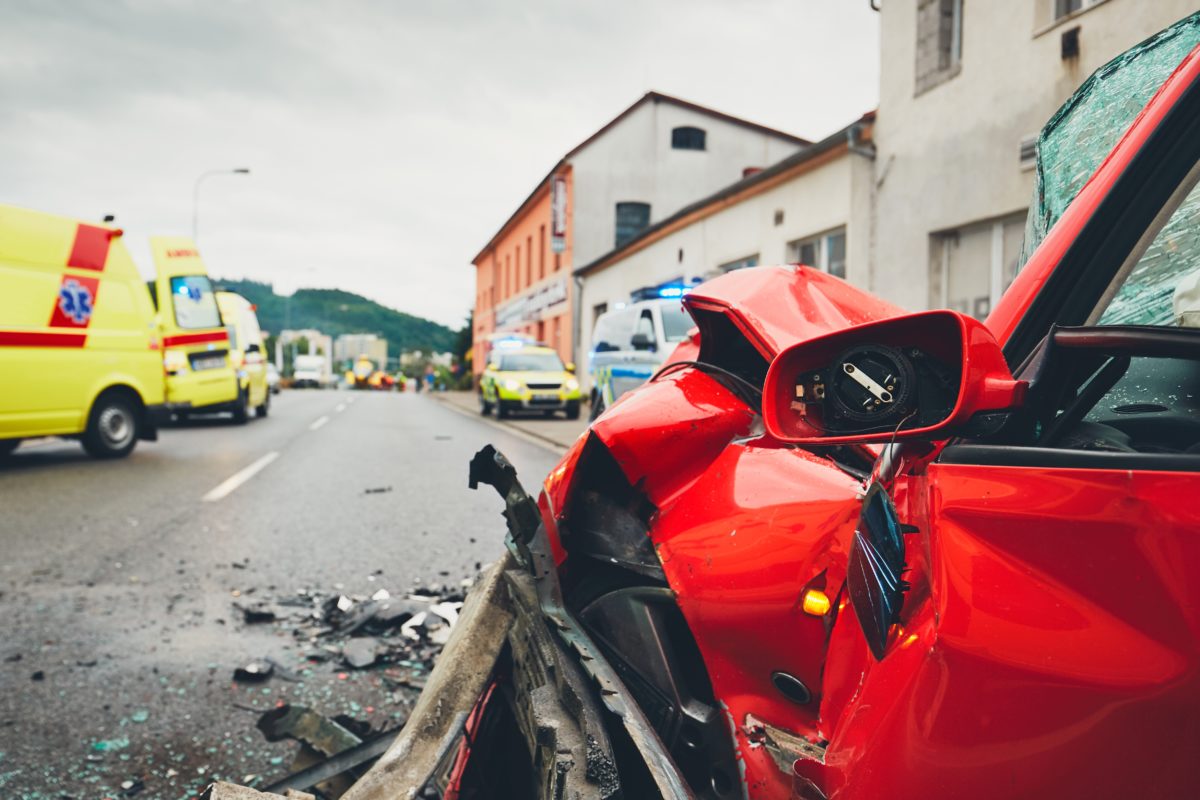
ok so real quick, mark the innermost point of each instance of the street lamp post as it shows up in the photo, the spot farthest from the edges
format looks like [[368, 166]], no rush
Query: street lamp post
[[196, 194]]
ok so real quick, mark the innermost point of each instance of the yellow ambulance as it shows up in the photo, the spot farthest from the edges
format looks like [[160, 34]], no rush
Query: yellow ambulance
[[200, 374], [79, 349], [246, 352]]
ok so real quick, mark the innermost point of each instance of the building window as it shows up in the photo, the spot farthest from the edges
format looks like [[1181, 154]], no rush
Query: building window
[[939, 42], [517, 269], [971, 267], [687, 138], [1065, 8], [528, 260], [632, 218], [826, 252], [542, 252], [557, 261], [741, 263]]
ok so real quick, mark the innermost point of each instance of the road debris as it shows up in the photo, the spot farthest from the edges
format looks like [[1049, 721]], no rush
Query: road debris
[[378, 490], [254, 672], [360, 653], [256, 613]]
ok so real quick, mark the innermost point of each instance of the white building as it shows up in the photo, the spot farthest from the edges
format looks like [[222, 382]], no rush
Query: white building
[[653, 158], [964, 89], [350, 346], [812, 207], [318, 344], [659, 155]]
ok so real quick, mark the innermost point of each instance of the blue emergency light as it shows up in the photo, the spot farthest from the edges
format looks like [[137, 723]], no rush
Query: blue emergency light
[[665, 292]]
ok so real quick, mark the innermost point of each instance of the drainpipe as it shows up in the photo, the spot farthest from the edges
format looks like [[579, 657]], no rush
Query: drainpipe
[[854, 141], [577, 330], [874, 4]]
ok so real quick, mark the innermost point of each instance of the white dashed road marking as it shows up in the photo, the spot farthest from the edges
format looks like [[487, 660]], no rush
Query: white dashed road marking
[[317, 423], [241, 477]]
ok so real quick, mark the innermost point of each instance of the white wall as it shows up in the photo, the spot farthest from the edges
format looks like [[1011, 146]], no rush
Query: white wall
[[634, 161], [833, 195], [949, 157]]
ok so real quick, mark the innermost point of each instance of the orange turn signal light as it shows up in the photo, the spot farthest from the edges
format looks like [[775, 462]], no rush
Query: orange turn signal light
[[815, 602]]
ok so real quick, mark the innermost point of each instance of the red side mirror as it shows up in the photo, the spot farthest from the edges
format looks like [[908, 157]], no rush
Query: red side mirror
[[917, 376]]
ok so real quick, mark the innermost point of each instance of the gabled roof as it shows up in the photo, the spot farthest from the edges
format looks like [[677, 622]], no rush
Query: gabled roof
[[648, 97], [810, 157]]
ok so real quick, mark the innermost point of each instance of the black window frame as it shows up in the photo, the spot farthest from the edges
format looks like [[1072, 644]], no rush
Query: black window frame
[[625, 230], [689, 137]]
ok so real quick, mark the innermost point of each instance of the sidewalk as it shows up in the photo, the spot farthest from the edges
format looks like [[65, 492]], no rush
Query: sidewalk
[[557, 431]]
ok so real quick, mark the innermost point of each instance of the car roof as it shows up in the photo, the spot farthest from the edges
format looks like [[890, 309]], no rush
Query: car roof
[[508, 351]]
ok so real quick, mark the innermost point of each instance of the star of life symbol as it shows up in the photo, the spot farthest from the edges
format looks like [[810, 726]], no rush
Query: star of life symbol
[[75, 301]]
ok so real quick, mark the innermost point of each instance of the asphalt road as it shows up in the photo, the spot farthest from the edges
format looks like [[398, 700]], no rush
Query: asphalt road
[[118, 579]]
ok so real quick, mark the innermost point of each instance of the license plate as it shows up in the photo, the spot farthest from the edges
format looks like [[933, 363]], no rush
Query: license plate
[[207, 362]]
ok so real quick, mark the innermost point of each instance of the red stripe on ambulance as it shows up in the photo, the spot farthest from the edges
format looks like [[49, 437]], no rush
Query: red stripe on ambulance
[[41, 339], [195, 338], [90, 250]]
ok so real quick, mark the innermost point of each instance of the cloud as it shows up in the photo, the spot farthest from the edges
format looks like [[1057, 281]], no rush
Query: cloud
[[387, 140]]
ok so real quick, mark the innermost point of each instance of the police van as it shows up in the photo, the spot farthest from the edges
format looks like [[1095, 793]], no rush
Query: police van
[[79, 349], [630, 343]]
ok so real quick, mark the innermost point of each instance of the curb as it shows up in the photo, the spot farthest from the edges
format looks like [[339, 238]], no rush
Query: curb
[[538, 439]]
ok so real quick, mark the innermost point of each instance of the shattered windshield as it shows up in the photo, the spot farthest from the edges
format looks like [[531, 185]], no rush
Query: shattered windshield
[[1084, 131]]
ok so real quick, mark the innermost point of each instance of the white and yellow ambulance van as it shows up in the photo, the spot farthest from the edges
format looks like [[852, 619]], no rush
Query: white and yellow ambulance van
[[79, 348], [200, 375], [246, 349]]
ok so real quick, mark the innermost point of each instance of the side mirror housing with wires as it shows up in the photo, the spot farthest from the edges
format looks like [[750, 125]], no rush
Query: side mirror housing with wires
[[918, 376]]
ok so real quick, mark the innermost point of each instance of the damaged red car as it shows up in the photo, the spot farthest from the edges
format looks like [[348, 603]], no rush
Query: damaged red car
[[838, 550]]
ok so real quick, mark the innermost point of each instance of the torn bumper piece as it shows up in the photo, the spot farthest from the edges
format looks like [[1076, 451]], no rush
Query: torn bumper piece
[[552, 700], [514, 625]]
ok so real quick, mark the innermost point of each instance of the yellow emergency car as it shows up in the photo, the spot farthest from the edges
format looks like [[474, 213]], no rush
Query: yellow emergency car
[[200, 375], [246, 353], [522, 377], [79, 348]]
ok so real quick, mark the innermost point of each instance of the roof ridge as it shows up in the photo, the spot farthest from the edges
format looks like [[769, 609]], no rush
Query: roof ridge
[[650, 96]]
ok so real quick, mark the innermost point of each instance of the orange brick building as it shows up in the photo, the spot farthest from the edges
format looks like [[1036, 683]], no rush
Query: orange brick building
[[521, 284]]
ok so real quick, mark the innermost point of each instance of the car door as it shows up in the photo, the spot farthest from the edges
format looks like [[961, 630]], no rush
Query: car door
[[610, 348], [1055, 608]]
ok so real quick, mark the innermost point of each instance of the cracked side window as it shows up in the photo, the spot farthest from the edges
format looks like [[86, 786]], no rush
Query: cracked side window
[[1163, 288], [1084, 131]]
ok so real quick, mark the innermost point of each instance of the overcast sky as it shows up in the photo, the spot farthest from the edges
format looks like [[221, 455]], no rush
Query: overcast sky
[[387, 140]]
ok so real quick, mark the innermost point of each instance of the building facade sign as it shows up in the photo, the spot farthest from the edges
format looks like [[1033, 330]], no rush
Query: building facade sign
[[558, 214], [532, 306]]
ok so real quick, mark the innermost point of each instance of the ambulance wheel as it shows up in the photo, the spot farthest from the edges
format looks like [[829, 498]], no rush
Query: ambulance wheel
[[112, 429], [241, 411], [485, 407], [265, 408], [7, 446], [573, 409]]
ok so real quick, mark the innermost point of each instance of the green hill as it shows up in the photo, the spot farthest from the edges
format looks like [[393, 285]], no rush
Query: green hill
[[335, 312]]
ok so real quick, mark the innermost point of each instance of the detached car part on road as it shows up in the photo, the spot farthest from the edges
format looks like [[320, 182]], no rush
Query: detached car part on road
[[847, 552]]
